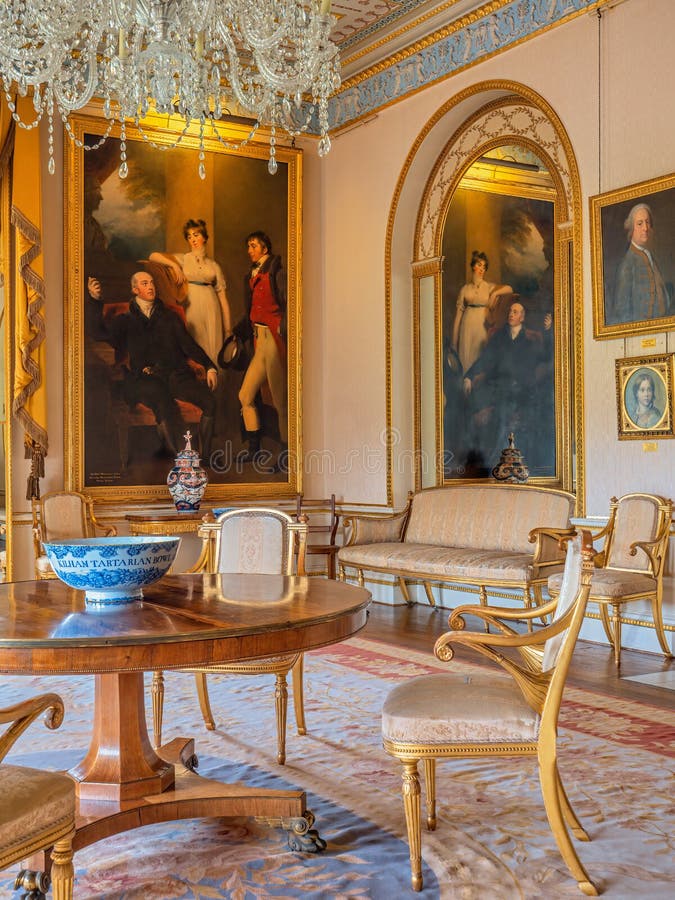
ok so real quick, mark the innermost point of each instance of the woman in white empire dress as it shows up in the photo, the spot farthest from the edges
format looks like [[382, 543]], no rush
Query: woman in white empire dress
[[476, 299], [207, 311]]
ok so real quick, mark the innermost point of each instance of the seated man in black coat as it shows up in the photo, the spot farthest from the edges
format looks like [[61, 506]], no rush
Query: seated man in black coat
[[158, 347], [503, 387]]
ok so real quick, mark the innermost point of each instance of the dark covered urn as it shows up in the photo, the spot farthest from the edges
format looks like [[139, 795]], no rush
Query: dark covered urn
[[187, 480], [511, 466]]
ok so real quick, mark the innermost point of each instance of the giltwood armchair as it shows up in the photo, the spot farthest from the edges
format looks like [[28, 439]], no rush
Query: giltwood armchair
[[59, 515], [450, 715], [37, 809], [264, 542], [630, 565]]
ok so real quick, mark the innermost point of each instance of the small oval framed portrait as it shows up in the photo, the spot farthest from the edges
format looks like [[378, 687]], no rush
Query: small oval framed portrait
[[645, 397]]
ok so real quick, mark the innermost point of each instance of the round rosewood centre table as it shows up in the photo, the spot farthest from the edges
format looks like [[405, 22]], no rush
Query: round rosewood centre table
[[183, 621]]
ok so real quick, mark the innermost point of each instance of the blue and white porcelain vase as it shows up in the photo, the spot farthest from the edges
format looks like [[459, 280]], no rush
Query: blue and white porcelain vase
[[187, 480]]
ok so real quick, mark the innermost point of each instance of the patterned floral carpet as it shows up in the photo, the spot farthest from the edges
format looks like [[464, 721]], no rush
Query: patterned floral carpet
[[492, 840]]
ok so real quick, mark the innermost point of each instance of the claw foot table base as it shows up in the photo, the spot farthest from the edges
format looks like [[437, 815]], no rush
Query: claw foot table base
[[191, 797]]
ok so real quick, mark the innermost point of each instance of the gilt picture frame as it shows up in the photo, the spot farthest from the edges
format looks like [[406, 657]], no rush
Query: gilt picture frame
[[115, 450], [644, 396], [633, 259]]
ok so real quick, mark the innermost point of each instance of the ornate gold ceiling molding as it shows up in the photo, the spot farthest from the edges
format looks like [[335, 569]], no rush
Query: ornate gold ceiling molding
[[473, 38], [428, 17]]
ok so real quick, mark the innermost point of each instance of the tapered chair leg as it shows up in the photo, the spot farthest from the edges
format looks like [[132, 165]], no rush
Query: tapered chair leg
[[430, 784], [604, 618], [157, 692], [299, 694], [550, 789], [573, 822], [413, 814], [657, 616], [204, 703], [281, 704], [62, 873], [616, 631]]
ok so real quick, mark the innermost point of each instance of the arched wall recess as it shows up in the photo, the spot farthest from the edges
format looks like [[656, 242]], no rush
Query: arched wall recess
[[478, 119]]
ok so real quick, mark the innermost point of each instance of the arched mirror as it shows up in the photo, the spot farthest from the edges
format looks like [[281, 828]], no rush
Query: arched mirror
[[496, 320], [498, 315]]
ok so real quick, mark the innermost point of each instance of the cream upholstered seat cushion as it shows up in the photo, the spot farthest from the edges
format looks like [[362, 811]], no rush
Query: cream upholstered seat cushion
[[34, 803], [611, 584], [456, 708], [432, 560]]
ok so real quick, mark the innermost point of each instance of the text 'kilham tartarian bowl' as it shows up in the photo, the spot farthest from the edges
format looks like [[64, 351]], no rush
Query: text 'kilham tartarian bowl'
[[112, 569]]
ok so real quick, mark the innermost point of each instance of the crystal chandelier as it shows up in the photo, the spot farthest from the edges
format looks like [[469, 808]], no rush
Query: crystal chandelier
[[271, 60]]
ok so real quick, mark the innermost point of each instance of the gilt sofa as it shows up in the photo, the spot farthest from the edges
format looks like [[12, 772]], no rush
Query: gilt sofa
[[479, 535]]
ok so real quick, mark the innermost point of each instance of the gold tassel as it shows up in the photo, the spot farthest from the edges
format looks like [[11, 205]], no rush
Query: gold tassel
[[36, 453]]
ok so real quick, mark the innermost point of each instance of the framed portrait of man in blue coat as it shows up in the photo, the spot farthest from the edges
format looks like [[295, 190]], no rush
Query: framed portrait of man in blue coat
[[633, 259]]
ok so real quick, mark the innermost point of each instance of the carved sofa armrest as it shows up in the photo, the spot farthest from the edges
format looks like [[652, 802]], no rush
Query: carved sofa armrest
[[375, 529], [549, 546]]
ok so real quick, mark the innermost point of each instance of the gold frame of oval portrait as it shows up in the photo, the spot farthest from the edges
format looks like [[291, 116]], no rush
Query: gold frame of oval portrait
[[656, 421]]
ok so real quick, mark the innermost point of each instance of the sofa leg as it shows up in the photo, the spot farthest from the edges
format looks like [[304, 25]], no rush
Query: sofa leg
[[404, 591], [430, 594]]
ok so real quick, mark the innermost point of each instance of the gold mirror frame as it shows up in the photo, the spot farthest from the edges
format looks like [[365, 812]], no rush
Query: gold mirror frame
[[523, 118], [253, 484], [8, 315]]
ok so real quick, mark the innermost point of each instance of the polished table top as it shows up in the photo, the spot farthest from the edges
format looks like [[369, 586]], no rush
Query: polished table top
[[183, 620]]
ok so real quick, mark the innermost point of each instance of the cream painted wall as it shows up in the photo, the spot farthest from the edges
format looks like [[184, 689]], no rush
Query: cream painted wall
[[347, 199], [360, 175]]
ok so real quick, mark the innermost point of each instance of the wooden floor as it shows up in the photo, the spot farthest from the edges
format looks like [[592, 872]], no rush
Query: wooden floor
[[417, 628]]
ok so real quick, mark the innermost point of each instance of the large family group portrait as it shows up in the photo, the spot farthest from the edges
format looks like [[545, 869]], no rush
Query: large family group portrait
[[498, 333], [187, 315]]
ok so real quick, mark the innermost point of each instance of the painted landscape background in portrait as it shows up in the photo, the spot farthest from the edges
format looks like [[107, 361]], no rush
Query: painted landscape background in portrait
[[516, 234], [122, 222]]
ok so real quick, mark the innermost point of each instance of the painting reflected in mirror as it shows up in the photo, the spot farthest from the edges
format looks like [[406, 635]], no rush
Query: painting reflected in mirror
[[499, 316]]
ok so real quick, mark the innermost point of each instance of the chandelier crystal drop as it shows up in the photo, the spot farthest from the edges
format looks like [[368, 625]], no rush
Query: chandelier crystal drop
[[270, 60]]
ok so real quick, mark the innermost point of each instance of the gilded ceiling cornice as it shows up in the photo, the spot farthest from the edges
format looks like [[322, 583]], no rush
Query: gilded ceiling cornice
[[429, 16], [473, 38]]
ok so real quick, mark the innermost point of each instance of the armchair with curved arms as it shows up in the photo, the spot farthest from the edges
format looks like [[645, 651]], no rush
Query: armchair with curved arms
[[630, 565], [450, 715], [264, 542], [37, 808]]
